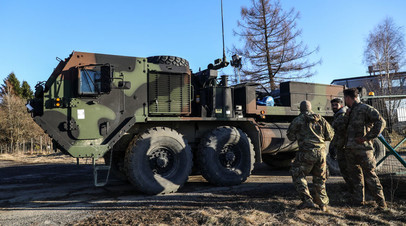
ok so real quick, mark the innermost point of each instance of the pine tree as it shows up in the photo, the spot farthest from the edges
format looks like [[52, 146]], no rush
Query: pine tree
[[26, 91], [11, 85]]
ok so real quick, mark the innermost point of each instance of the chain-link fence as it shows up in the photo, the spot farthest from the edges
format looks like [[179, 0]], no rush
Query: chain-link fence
[[393, 110]]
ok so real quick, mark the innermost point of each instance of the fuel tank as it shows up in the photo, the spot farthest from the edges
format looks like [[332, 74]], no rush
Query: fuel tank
[[274, 139]]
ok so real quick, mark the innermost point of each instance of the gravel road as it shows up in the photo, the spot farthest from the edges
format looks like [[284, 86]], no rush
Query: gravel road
[[63, 194]]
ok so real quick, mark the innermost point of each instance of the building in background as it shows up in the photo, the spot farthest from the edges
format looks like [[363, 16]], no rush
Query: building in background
[[391, 93], [374, 82]]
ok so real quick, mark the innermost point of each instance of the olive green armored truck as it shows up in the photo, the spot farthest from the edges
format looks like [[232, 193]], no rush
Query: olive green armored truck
[[153, 119]]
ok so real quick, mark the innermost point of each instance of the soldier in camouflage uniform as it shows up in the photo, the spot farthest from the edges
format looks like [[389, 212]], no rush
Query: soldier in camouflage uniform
[[310, 130], [340, 137], [364, 124]]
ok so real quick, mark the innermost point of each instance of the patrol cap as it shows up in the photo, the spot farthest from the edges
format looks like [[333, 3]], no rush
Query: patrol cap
[[337, 100], [305, 106]]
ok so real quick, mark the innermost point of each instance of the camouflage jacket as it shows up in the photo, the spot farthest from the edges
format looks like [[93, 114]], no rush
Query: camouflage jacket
[[340, 129], [310, 130], [363, 121]]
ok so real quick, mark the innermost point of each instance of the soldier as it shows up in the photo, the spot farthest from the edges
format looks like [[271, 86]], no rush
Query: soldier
[[310, 130], [364, 124], [340, 136]]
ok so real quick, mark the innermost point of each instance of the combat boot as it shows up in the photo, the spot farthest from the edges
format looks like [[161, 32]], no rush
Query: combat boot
[[324, 208], [382, 206], [307, 205]]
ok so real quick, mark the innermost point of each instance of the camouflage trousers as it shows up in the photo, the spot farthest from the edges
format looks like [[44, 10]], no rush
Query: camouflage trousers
[[342, 163], [361, 166], [310, 163]]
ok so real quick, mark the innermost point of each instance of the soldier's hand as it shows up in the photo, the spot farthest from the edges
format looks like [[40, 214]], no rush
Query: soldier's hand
[[360, 140]]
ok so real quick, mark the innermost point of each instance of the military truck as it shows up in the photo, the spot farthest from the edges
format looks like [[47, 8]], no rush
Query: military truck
[[152, 119]]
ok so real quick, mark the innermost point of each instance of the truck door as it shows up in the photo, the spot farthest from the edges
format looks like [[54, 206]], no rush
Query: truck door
[[86, 110]]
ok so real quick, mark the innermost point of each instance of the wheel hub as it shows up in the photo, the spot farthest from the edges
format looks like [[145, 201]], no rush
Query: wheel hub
[[229, 156], [161, 161]]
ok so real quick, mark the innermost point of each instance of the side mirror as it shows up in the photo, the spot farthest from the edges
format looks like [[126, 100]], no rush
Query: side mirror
[[106, 73]]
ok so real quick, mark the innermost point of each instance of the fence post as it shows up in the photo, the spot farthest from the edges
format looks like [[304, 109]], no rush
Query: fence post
[[40, 146]]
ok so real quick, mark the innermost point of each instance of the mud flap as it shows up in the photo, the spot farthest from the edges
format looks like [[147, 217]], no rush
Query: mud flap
[[98, 168]]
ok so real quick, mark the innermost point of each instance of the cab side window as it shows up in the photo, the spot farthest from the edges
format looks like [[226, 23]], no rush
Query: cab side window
[[89, 82], [95, 80]]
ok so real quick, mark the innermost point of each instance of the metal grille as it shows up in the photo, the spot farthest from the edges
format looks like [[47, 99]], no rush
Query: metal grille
[[169, 94]]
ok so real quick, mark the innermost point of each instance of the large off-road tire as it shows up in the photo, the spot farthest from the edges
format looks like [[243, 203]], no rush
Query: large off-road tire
[[379, 153], [280, 160], [158, 161], [170, 60], [226, 156]]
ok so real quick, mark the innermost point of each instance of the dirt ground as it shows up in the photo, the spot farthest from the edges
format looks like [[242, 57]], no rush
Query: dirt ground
[[53, 190]]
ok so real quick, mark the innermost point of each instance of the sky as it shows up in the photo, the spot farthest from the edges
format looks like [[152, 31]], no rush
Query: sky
[[34, 33]]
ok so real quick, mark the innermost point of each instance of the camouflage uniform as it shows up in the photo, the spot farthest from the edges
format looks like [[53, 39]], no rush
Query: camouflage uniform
[[310, 130], [364, 121], [338, 143]]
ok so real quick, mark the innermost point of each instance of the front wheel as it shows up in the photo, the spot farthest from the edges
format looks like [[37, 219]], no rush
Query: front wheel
[[226, 156], [159, 161]]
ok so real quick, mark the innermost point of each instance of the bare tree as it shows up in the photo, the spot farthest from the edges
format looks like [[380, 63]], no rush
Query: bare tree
[[16, 124], [384, 52], [384, 55], [271, 44]]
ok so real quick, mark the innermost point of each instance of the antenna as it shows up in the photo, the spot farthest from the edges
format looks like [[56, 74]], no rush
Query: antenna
[[220, 63], [222, 27]]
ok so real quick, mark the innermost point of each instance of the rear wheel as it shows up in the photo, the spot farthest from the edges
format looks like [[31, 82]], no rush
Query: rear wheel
[[331, 159], [379, 153], [158, 161], [226, 156]]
